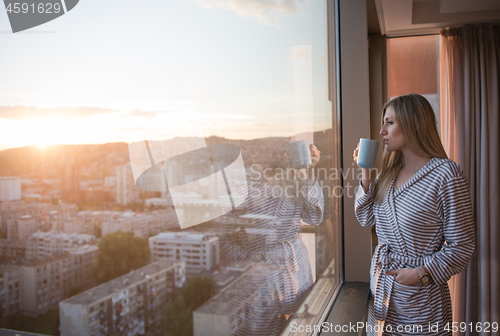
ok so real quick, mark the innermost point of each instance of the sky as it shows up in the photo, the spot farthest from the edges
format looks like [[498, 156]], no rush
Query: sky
[[120, 70]]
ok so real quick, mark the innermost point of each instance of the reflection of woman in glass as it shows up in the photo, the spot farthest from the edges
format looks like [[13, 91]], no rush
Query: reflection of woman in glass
[[421, 206], [264, 233]]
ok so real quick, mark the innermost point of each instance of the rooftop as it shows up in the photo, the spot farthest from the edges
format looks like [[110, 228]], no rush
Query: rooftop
[[62, 235], [7, 332], [84, 249], [58, 257], [44, 261], [181, 235], [116, 285], [7, 268], [220, 303]]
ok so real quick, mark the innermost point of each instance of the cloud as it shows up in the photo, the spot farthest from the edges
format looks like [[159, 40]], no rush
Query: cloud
[[255, 8], [30, 112], [141, 113], [234, 116], [261, 125], [130, 129]]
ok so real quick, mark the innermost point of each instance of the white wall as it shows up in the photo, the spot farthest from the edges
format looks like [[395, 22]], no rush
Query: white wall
[[73, 319]]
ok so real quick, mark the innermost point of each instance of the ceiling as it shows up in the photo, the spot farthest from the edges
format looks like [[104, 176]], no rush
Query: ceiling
[[397, 18]]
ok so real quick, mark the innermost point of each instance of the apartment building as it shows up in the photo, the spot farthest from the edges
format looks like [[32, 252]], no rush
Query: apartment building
[[82, 222], [77, 224], [109, 181], [164, 220], [20, 220], [128, 221], [126, 191], [46, 244], [71, 177], [63, 210], [199, 250], [48, 281], [128, 305], [44, 212], [12, 210], [10, 298], [10, 188], [141, 224], [21, 228], [246, 306], [13, 250], [99, 216]]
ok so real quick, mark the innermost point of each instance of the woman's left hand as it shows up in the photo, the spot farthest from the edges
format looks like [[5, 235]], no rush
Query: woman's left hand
[[406, 276]]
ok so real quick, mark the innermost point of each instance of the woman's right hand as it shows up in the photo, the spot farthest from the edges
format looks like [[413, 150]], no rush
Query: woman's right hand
[[365, 180], [355, 154]]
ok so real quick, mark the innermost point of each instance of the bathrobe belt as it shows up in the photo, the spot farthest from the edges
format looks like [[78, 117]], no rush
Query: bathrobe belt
[[384, 258]]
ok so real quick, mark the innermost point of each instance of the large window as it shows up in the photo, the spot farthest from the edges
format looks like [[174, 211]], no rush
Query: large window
[[412, 67], [209, 130]]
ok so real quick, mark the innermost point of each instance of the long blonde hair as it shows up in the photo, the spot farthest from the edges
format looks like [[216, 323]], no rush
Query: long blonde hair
[[417, 122]]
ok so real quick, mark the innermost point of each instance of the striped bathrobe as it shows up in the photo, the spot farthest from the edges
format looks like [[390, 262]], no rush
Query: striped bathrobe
[[427, 221]]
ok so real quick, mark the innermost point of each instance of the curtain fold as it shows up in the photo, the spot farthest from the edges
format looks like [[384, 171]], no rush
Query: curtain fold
[[470, 129]]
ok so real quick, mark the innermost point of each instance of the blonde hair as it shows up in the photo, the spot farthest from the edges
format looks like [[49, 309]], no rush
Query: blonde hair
[[417, 123]]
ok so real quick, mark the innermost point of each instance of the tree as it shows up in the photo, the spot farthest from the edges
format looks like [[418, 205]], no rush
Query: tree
[[198, 290], [46, 324], [178, 314], [97, 230], [177, 319], [119, 253], [2, 318], [75, 291]]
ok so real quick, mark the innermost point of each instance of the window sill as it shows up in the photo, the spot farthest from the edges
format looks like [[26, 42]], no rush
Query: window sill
[[315, 306], [350, 307]]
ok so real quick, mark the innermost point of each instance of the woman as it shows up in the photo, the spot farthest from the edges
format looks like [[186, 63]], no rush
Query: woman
[[421, 206]]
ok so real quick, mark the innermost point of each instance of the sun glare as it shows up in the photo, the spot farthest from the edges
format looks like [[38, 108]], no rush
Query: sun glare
[[42, 147], [43, 133], [117, 127]]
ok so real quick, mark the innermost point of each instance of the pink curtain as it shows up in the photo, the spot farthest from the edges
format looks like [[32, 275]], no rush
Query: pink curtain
[[470, 129]]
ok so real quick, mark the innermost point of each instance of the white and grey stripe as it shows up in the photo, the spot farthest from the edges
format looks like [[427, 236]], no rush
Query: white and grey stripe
[[264, 230], [428, 221]]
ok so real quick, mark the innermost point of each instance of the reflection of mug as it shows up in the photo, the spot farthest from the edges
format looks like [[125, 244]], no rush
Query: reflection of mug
[[367, 154], [300, 154]]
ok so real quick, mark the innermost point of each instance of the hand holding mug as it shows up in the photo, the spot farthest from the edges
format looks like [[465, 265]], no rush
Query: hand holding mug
[[355, 154], [365, 179], [315, 154]]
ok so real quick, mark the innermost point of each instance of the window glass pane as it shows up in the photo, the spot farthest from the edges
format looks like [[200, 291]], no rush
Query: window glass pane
[[412, 67], [184, 156]]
